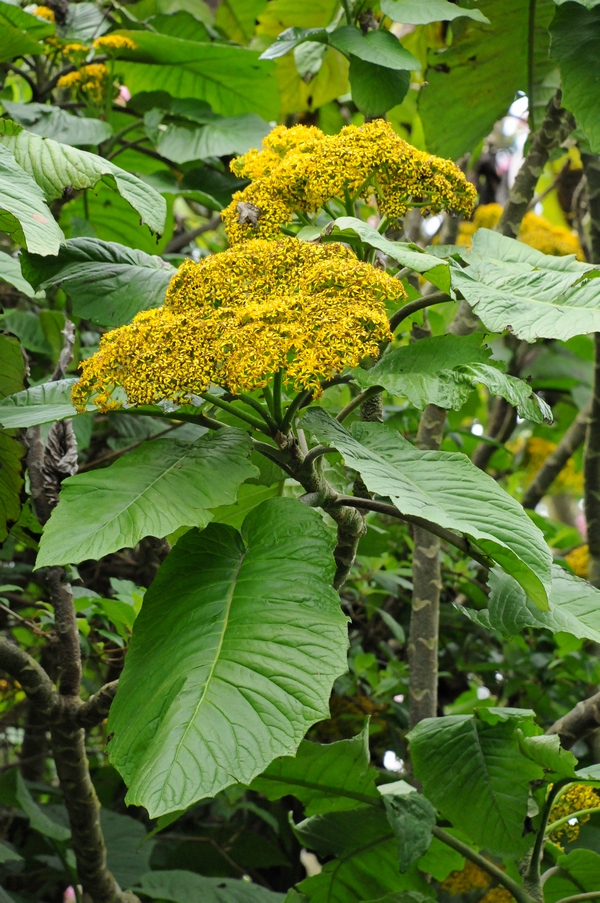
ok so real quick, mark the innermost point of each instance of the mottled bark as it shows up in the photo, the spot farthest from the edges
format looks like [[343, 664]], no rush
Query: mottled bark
[[579, 722]]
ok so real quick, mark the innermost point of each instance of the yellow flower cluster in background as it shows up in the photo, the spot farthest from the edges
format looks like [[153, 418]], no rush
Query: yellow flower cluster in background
[[574, 799], [236, 318], [302, 169], [44, 12], [114, 42], [471, 877], [497, 895], [579, 561], [91, 79], [568, 480], [536, 231]]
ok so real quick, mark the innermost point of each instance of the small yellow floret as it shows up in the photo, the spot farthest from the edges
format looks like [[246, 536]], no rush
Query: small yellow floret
[[238, 317], [301, 169], [114, 42], [44, 12], [497, 895], [568, 480], [75, 47], [471, 877], [70, 80], [574, 799], [579, 561], [536, 231]]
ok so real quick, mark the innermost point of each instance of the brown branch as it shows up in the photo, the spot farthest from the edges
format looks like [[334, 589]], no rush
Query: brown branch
[[578, 723], [427, 583], [67, 633], [181, 241], [97, 707], [36, 684], [555, 462], [418, 304], [556, 126]]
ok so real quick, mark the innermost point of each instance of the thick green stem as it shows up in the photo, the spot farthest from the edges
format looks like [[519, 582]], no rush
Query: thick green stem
[[231, 409], [533, 875], [277, 400]]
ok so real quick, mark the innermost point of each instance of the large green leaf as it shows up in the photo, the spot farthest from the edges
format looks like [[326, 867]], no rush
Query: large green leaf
[[12, 372], [533, 295], [376, 89], [40, 404], [222, 137], [574, 607], [57, 166], [108, 282], [237, 18], [348, 229], [128, 850], [577, 874], [20, 33], [24, 213], [52, 122], [231, 79], [177, 886], [575, 33], [445, 489], [412, 818], [292, 38], [325, 778], [380, 47], [421, 12], [232, 658], [366, 863], [10, 271], [476, 775], [154, 489], [472, 83], [444, 370]]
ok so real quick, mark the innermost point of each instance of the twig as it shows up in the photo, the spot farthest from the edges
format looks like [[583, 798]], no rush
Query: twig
[[181, 241], [418, 304], [554, 463], [97, 707], [36, 684], [578, 723], [358, 401]]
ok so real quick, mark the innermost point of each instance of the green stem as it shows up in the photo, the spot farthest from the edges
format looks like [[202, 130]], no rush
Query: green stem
[[349, 203], [561, 821], [277, 406], [357, 401], [253, 403], [241, 415], [301, 399], [518, 892], [581, 898], [533, 872], [268, 396], [418, 304], [383, 225], [346, 9]]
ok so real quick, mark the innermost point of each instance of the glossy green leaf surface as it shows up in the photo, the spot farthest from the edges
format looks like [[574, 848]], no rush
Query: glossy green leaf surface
[[24, 213], [412, 818], [421, 12], [446, 489], [232, 658], [154, 489], [40, 404]]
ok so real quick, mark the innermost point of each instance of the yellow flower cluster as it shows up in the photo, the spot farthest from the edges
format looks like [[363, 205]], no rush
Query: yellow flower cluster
[[74, 47], [470, 878], [536, 231], [236, 318], [574, 799], [497, 895], [90, 79], [44, 12], [579, 561], [114, 42], [301, 169], [569, 480]]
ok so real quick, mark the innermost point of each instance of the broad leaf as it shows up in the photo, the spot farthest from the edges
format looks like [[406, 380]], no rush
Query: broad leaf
[[445, 489], [108, 282], [366, 863], [421, 12], [575, 34], [380, 47], [325, 778], [546, 751], [177, 886], [237, 18], [472, 83], [223, 137], [293, 37], [348, 229], [57, 166], [577, 874], [41, 404], [12, 372], [154, 489], [231, 79], [475, 774], [232, 658], [53, 122], [444, 370], [533, 295], [376, 89], [574, 606], [20, 32], [128, 850], [24, 213], [10, 271], [38, 819], [412, 818]]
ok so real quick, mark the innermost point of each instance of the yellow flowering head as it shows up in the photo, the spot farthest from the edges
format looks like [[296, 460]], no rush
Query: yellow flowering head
[[536, 231], [70, 80], [301, 169], [568, 480], [44, 12], [579, 561], [114, 42], [236, 318], [574, 799], [91, 79], [497, 895], [74, 48], [471, 877]]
